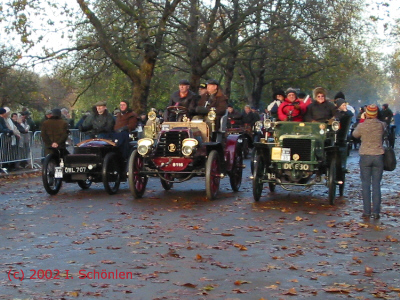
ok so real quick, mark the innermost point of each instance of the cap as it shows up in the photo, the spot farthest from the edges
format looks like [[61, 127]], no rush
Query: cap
[[291, 90], [2, 111], [100, 103], [212, 81], [339, 95], [371, 111], [184, 82], [339, 102], [56, 112], [203, 85]]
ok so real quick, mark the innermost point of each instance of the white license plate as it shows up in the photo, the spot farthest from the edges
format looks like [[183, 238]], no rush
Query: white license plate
[[294, 166], [59, 172], [71, 170]]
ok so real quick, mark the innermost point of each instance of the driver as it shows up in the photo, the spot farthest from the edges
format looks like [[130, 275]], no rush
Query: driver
[[183, 97]]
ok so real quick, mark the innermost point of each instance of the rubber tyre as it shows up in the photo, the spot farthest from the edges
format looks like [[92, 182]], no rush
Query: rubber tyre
[[332, 181], [137, 182], [235, 175], [213, 173], [165, 184], [257, 177], [84, 184], [51, 184], [111, 173], [342, 186]]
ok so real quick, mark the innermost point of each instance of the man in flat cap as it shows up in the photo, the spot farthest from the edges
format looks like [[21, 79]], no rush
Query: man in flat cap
[[183, 97], [99, 123]]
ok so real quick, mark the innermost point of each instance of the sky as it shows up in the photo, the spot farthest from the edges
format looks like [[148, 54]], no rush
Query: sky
[[54, 39]]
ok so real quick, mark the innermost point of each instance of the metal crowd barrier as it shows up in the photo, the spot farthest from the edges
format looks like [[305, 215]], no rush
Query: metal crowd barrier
[[29, 152]]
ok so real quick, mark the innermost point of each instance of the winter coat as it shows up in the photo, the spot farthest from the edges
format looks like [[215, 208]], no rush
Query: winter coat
[[320, 112], [54, 130], [371, 133], [288, 110], [95, 123], [126, 121]]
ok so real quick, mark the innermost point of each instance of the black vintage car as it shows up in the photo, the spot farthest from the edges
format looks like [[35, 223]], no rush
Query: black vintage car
[[93, 160], [301, 155], [175, 152]]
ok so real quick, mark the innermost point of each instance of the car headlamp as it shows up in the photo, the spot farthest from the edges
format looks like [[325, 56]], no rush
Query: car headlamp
[[335, 125], [258, 126], [267, 123], [152, 115], [144, 145], [188, 145], [212, 115]]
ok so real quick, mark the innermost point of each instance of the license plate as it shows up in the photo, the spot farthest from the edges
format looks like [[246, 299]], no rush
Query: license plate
[[294, 166], [59, 172], [70, 170]]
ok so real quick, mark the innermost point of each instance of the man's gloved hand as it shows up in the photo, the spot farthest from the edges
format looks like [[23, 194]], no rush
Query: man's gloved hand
[[330, 121], [297, 106]]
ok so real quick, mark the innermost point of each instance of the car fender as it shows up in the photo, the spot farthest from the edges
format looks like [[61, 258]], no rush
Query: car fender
[[231, 149]]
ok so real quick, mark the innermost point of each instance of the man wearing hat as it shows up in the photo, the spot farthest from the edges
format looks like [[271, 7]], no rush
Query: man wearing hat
[[202, 89], [213, 98], [100, 123], [54, 132], [320, 110], [292, 109], [182, 97], [386, 114], [277, 98], [371, 160]]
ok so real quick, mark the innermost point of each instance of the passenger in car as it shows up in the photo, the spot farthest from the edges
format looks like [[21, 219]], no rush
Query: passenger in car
[[320, 110], [291, 109]]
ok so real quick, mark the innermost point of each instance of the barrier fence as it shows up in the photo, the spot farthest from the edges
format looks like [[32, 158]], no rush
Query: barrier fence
[[28, 152]]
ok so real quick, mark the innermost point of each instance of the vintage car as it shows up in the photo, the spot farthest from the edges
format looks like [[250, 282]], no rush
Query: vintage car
[[178, 151], [250, 134], [298, 155], [93, 160]]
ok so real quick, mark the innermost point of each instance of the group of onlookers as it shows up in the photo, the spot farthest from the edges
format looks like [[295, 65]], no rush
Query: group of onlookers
[[16, 127]]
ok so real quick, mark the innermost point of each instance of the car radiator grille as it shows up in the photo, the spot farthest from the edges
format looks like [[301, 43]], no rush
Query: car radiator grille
[[170, 143], [298, 146]]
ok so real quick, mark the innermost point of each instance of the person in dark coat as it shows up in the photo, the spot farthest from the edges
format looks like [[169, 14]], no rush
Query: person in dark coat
[[100, 123], [213, 98], [126, 121], [54, 132], [320, 110], [249, 117], [183, 97]]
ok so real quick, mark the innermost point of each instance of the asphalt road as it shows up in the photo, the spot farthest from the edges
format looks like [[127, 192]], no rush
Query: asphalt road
[[178, 245]]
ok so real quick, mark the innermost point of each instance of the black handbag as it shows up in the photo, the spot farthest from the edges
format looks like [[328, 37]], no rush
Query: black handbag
[[389, 159]]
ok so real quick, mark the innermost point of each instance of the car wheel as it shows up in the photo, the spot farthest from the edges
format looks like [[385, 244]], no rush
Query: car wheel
[[235, 175], [213, 175], [137, 182], [84, 184], [51, 184], [111, 173], [257, 177], [167, 185], [332, 181], [341, 186]]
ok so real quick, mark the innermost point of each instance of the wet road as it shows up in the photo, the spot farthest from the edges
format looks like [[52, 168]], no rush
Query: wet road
[[178, 245]]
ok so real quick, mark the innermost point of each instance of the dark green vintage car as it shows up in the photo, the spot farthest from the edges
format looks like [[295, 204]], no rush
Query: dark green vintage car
[[297, 155]]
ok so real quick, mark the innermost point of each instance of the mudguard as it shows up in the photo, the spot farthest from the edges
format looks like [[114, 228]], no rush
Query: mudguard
[[232, 149]]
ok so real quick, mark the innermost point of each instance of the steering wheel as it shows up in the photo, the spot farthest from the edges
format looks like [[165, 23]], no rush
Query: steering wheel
[[177, 109]]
